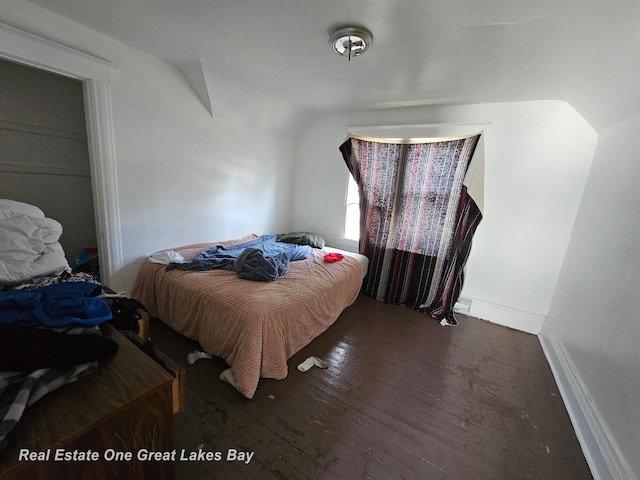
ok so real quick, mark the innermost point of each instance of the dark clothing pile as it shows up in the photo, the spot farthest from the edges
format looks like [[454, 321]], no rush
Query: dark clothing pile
[[49, 336]]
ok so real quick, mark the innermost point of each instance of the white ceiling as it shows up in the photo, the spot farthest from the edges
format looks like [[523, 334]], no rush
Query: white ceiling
[[423, 52]]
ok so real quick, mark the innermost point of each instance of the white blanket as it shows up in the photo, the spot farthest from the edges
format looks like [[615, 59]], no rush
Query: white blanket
[[29, 243]]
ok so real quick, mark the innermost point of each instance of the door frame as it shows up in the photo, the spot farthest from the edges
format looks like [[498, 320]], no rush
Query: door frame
[[95, 74]]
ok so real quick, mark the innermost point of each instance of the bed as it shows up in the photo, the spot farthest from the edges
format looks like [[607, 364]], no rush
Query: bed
[[254, 326]]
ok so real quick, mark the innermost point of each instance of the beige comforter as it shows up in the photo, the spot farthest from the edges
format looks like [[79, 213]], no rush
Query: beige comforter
[[255, 326]]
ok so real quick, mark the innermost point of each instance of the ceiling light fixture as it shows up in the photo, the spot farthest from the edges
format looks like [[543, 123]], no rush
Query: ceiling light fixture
[[349, 42]]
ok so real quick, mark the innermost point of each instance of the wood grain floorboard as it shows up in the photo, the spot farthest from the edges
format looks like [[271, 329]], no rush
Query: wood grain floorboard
[[403, 398]]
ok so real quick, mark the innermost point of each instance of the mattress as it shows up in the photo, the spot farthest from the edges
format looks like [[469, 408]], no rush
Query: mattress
[[254, 326]]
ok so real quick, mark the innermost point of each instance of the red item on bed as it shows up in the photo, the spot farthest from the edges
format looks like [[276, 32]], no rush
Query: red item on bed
[[333, 257]]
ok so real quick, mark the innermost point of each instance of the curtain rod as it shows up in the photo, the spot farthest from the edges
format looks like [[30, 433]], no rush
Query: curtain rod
[[421, 125], [417, 133]]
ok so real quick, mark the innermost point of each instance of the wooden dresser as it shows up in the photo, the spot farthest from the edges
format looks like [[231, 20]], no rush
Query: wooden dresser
[[126, 406]]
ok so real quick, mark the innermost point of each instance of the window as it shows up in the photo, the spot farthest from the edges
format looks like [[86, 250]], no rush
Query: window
[[391, 134], [352, 218], [417, 218]]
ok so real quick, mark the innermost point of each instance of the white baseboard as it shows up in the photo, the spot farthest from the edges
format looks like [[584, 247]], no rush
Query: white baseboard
[[597, 444], [504, 315]]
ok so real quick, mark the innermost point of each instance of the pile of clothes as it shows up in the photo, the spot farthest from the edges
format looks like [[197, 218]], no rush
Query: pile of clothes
[[50, 337], [261, 260]]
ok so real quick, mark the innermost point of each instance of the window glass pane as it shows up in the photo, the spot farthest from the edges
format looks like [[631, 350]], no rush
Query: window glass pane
[[352, 219], [352, 224], [352, 191]]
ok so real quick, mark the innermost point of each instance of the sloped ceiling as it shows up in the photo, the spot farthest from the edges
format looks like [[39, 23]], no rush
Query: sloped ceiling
[[424, 51]]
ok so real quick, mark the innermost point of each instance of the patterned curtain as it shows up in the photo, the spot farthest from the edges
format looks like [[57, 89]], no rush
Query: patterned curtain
[[417, 220]]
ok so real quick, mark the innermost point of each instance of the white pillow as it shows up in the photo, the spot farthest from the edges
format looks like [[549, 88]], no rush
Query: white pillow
[[20, 237], [24, 253], [50, 229], [22, 244]]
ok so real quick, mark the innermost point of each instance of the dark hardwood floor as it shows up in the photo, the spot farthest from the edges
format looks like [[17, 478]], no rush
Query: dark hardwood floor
[[403, 398]]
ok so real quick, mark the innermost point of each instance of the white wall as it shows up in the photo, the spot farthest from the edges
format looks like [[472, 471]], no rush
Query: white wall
[[537, 158], [593, 326], [182, 176]]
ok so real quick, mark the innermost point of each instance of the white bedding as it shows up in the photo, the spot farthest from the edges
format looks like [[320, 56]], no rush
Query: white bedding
[[29, 243]]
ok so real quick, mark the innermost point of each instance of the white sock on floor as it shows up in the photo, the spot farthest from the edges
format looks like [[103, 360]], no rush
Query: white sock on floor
[[197, 355], [312, 361], [227, 376]]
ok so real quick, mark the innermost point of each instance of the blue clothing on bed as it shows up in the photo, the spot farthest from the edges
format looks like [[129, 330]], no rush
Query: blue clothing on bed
[[262, 259]]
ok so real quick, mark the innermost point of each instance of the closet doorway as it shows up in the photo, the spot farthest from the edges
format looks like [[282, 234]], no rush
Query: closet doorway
[[94, 73], [44, 156]]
